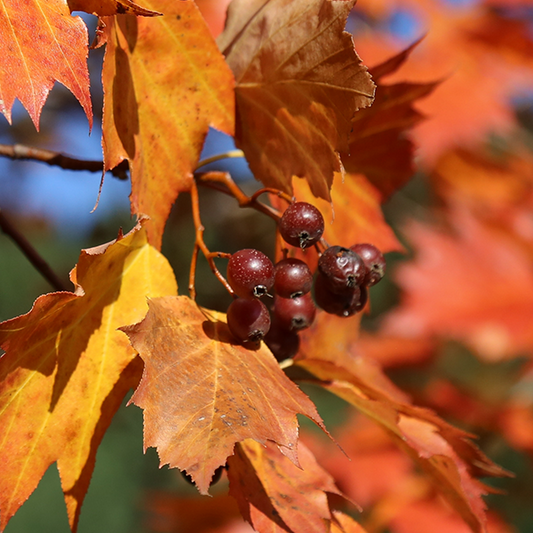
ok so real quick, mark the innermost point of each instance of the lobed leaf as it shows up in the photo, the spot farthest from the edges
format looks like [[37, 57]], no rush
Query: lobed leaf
[[444, 452], [66, 360], [379, 145], [165, 82], [299, 83], [40, 43], [275, 495], [354, 214], [201, 393], [489, 275]]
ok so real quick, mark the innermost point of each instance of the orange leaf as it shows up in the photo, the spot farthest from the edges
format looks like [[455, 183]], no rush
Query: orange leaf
[[343, 523], [299, 82], [40, 43], [443, 451], [354, 214], [316, 345], [165, 83], [475, 285], [486, 185], [275, 495], [110, 7], [379, 147], [75, 371], [482, 55], [196, 514], [201, 393]]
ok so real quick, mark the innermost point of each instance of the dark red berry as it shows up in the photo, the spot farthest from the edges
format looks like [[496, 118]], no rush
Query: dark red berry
[[248, 320], [283, 343], [301, 225], [342, 267], [292, 278], [250, 273], [374, 262], [343, 304], [294, 314]]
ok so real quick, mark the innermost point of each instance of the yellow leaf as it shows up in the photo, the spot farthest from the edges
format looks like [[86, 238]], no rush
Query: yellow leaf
[[67, 368], [165, 83]]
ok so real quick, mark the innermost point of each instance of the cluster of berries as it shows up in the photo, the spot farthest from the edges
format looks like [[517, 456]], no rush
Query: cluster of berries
[[340, 287]]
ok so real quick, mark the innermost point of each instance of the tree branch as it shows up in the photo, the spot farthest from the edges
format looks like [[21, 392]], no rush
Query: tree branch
[[57, 159], [31, 253]]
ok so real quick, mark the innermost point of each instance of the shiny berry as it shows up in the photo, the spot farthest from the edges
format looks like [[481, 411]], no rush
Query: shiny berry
[[294, 314], [248, 320], [292, 278], [301, 225], [250, 273]]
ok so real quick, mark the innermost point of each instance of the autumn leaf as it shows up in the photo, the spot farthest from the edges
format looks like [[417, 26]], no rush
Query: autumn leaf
[[165, 83], [483, 58], [373, 468], [178, 512], [344, 523], [75, 371], [110, 7], [40, 43], [299, 82], [490, 277], [354, 214], [497, 187], [441, 450], [202, 393], [394, 351], [275, 495], [379, 145]]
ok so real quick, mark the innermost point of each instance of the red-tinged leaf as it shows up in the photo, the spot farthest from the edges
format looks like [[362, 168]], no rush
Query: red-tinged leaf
[[493, 187], [474, 285], [40, 43], [165, 83], [353, 216], [393, 351], [275, 495], [380, 147], [343, 523], [168, 512], [201, 393], [373, 469], [75, 371], [110, 7], [214, 12], [316, 345], [431, 515], [299, 83], [444, 452], [481, 56], [516, 423]]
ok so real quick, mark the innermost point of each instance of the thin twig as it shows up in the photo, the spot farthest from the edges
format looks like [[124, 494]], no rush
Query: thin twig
[[215, 179], [57, 159], [218, 157], [31, 253], [200, 245]]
